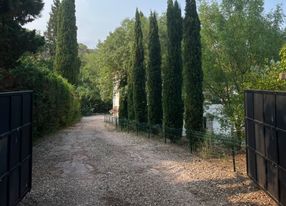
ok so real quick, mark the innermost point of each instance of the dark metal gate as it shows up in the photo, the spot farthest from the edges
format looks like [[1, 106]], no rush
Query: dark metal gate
[[266, 141], [15, 146]]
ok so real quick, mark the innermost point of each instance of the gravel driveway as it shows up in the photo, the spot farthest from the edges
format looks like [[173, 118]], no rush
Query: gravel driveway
[[92, 164]]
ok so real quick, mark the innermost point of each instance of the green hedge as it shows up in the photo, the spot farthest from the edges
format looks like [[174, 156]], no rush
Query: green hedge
[[55, 103]]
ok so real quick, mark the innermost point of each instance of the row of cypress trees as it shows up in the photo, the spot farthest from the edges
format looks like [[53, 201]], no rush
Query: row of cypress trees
[[177, 89], [61, 39]]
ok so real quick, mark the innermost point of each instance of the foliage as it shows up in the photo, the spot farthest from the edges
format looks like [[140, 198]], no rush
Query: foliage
[[55, 103], [51, 33], [172, 74], [123, 108], [67, 62], [267, 78], [154, 80], [138, 74], [130, 105], [14, 39], [193, 74], [236, 36], [88, 91]]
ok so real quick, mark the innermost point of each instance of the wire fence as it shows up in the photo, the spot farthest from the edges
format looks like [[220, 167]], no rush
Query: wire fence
[[208, 144]]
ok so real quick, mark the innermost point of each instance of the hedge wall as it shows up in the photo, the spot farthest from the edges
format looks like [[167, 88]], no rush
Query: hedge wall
[[55, 103]]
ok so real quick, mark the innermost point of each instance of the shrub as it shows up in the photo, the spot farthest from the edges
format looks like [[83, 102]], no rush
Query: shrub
[[91, 101], [55, 103]]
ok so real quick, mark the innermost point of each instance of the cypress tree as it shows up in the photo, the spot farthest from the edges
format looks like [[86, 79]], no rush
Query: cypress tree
[[172, 74], [154, 81], [123, 108], [130, 105], [67, 62], [51, 33], [193, 73], [139, 93]]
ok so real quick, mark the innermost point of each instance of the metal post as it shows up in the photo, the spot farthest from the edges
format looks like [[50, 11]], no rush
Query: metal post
[[137, 129], [127, 126], [233, 159]]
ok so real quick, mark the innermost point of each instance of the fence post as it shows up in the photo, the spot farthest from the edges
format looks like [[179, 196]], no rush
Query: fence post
[[233, 158], [137, 129]]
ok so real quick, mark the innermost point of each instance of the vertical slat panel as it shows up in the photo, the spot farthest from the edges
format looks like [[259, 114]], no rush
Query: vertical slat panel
[[4, 114], [3, 155], [3, 192], [266, 141], [15, 146]]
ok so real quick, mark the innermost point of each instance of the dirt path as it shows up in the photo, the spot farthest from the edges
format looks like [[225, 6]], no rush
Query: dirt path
[[91, 164]]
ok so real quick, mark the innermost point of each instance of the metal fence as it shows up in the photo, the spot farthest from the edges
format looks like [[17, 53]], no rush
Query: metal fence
[[210, 145], [266, 141], [15, 146]]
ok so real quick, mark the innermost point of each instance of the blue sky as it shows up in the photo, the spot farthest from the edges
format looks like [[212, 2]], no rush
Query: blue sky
[[96, 18]]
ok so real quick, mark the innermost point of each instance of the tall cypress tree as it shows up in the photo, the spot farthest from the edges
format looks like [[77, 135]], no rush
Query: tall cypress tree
[[172, 74], [51, 33], [154, 81], [139, 93], [130, 105], [123, 102], [67, 62], [193, 73]]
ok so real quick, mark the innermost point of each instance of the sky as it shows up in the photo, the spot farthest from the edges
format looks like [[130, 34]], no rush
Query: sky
[[96, 18]]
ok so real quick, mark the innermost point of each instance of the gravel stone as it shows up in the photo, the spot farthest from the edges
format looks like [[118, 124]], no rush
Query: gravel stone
[[93, 164]]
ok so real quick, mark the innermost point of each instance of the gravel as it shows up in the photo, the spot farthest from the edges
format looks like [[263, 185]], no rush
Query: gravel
[[92, 164]]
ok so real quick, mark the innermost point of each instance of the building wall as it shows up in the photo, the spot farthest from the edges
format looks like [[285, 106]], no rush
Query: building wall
[[116, 100]]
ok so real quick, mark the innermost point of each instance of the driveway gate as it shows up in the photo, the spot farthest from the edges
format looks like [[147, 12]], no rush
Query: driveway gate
[[266, 141], [15, 146]]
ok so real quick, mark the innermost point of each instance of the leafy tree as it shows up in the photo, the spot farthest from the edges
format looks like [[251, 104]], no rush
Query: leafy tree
[[154, 81], [67, 62], [14, 39], [51, 33], [236, 36], [88, 90], [113, 58], [172, 74], [138, 76], [193, 74]]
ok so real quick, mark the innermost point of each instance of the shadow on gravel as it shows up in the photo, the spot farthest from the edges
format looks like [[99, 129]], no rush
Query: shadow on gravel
[[224, 189]]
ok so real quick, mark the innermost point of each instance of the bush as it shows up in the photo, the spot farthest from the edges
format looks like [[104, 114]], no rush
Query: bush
[[91, 102], [55, 103]]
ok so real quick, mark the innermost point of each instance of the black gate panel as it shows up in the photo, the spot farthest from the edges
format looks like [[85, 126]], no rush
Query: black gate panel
[[265, 121], [15, 146]]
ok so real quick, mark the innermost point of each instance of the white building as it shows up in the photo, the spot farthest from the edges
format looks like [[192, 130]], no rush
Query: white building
[[116, 100]]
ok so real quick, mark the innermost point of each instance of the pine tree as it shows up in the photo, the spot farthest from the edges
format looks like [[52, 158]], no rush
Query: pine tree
[[67, 62], [193, 73], [139, 93], [51, 33], [14, 39], [154, 81], [172, 74]]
